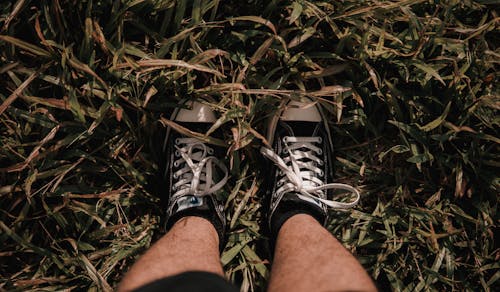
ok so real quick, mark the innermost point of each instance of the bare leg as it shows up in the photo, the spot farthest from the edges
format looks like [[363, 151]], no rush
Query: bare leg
[[309, 258], [191, 245]]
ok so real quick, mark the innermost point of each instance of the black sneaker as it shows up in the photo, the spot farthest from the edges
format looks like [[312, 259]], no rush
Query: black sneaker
[[302, 159], [193, 171]]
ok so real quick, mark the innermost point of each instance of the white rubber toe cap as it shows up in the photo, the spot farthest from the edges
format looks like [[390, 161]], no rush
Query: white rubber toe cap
[[199, 113], [300, 111]]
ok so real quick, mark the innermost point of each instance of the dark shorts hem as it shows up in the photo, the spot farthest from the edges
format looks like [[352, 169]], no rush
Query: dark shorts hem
[[190, 282]]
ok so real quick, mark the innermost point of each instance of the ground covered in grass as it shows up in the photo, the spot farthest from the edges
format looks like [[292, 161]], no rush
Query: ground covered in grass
[[411, 88]]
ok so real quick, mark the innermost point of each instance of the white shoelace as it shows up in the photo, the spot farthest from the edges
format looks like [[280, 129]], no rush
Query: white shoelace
[[301, 173], [196, 175]]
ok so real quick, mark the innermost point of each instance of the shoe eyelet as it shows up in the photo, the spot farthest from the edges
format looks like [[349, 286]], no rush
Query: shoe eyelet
[[177, 141], [176, 164], [284, 151], [320, 140], [175, 176], [321, 163], [177, 153], [321, 173], [210, 151], [320, 151], [285, 139]]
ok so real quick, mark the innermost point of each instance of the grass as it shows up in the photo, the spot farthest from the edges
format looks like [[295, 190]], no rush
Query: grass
[[411, 88]]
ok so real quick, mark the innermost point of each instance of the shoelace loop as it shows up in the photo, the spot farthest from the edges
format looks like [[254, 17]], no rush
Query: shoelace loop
[[302, 176], [195, 177]]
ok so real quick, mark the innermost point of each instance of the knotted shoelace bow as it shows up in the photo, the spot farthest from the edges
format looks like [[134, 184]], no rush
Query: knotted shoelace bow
[[195, 177], [301, 176]]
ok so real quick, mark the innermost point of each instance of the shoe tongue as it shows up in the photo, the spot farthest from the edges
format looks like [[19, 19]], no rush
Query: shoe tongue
[[302, 128]]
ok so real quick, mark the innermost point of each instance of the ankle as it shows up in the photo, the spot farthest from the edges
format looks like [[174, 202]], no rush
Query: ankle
[[287, 210], [299, 220], [200, 225], [290, 212], [208, 218]]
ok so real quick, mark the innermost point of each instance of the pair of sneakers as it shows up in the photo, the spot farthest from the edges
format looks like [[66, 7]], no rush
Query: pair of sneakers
[[300, 160]]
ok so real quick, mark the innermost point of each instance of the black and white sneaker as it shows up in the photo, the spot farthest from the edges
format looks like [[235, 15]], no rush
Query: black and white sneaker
[[301, 156], [193, 171]]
